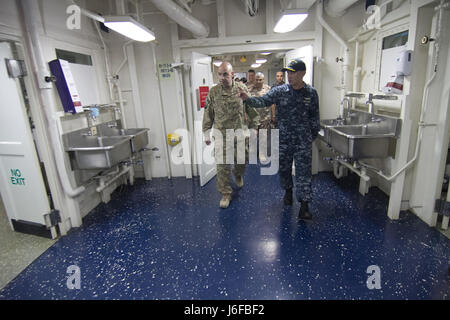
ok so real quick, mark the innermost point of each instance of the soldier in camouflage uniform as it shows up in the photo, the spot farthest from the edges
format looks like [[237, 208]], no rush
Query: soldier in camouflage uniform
[[298, 121], [224, 110], [250, 79], [265, 114]]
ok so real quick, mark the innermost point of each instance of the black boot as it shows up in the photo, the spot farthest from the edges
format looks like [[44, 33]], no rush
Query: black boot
[[288, 197], [304, 213]]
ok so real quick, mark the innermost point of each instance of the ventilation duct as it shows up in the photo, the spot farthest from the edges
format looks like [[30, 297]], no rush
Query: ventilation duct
[[183, 18], [337, 8]]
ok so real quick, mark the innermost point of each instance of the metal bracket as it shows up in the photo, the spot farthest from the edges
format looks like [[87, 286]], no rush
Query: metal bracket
[[442, 207], [52, 218], [16, 68]]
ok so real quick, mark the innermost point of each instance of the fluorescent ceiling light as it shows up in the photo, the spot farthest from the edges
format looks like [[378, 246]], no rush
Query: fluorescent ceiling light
[[290, 20], [256, 65], [262, 60], [265, 53], [217, 63], [129, 27]]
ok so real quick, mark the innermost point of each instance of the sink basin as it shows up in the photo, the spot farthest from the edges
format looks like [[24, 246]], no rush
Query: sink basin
[[364, 131], [97, 152], [361, 141], [362, 135], [139, 136], [354, 118]]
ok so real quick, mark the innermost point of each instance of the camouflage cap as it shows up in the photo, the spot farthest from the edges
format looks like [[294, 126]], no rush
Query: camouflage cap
[[295, 65]]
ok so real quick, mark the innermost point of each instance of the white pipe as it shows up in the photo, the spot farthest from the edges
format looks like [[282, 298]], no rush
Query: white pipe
[[337, 8], [358, 172], [108, 73], [91, 15], [163, 120], [365, 29], [356, 73], [125, 58], [183, 18], [357, 69], [103, 185], [32, 15], [338, 170], [135, 87], [122, 109]]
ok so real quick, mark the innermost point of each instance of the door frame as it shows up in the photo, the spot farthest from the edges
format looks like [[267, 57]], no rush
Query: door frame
[[185, 54], [41, 136]]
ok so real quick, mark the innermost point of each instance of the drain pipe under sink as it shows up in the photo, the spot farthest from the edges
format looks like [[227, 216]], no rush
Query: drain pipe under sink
[[364, 182]]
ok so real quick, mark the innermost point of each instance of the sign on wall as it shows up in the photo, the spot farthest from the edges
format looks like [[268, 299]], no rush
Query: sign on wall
[[203, 93], [165, 70]]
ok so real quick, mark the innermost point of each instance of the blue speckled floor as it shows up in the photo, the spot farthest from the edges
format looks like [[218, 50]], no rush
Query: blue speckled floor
[[166, 239]]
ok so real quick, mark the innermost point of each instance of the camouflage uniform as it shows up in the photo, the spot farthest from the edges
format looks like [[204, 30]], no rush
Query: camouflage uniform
[[265, 118], [274, 124], [225, 110], [264, 113], [298, 122]]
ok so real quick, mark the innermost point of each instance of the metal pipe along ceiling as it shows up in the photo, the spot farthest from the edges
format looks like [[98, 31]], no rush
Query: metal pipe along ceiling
[[183, 18], [336, 8]]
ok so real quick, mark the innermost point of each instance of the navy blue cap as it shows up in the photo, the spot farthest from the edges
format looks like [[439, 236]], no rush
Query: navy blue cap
[[295, 65]]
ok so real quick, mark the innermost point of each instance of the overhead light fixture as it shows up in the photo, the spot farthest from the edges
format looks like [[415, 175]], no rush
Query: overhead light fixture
[[265, 53], [261, 60], [290, 20], [256, 65], [217, 63], [129, 27]]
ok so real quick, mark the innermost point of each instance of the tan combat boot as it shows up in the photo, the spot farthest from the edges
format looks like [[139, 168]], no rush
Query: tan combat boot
[[225, 201], [239, 181]]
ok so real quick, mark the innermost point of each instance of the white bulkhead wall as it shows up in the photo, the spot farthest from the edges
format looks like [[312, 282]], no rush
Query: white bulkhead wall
[[166, 102]]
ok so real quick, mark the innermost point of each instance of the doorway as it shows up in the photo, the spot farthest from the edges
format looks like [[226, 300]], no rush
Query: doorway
[[242, 61]]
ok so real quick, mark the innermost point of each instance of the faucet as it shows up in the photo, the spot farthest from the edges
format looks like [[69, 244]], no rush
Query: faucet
[[371, 107], [348, 105], [348, 109]]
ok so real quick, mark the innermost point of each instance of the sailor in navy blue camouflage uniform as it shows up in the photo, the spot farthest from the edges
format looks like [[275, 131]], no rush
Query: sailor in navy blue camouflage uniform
[[298, 121]]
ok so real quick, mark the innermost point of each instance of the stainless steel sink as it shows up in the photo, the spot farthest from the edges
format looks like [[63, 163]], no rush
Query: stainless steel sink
[[361, 141], [362, 135], [139, 136], [108, 147], [96, 152]]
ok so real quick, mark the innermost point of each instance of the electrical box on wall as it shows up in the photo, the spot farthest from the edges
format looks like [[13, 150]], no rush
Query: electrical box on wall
[[65, 84]]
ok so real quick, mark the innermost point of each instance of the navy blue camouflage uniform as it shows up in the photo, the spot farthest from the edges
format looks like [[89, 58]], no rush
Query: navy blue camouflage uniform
[[299, 124]]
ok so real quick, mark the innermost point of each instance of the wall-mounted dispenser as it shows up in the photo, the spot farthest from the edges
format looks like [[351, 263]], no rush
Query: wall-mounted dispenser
[[65, 84], [403, 67], [403, 63]]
